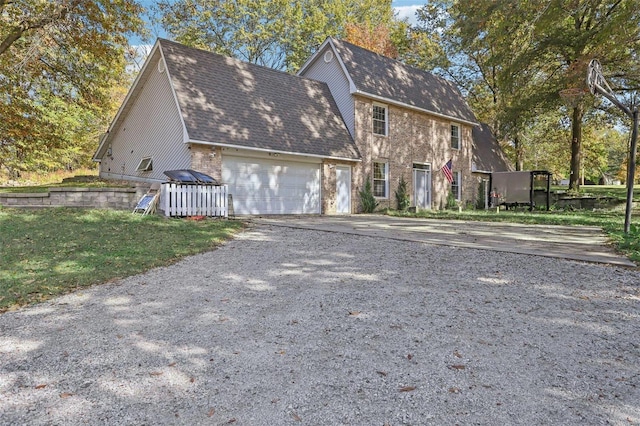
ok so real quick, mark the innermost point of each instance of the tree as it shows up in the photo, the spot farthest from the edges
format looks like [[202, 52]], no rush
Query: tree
[[279, 34], [59, 62], [513, 58]]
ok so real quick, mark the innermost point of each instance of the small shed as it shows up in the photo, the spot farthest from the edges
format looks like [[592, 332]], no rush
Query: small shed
[[513, 189]]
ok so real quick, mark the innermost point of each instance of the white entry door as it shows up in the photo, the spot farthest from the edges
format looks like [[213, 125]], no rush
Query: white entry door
[[422, 185], [343, 189]]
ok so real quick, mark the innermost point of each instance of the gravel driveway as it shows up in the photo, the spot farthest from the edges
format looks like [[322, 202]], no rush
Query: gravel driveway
[[286, 326]]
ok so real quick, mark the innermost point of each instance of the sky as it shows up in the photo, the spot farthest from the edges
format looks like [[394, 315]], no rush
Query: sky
[[404, 8]]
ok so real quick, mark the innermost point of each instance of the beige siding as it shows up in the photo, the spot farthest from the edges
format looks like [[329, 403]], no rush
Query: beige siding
[[152, 128], [332, 74], [413, 137]]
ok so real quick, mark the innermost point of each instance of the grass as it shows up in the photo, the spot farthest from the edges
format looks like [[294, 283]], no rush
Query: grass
[[80, 181], [48, 252], [618, 192], [43, 178], [612, 222]]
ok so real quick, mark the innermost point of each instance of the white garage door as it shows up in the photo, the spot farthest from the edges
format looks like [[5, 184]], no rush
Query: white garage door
[[262, 186]]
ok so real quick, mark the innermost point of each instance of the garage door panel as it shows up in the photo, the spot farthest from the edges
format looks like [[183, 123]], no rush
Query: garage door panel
[[261, 186]]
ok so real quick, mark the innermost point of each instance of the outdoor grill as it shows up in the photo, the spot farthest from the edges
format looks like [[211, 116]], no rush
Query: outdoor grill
[[189, 176]]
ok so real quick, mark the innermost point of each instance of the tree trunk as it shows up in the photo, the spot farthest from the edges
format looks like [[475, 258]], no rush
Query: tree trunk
[[576, 147], [519, 154]]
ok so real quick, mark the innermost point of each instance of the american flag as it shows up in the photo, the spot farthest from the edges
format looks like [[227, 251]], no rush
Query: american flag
[[446, 169]]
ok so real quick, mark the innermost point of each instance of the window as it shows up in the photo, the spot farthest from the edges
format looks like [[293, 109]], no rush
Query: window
[[379, 120], [455, 136], [145, 165], [380, 180], [456, 185]]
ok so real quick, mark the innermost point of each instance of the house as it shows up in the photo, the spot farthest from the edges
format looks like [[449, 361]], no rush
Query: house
[[405, 122], [265, 133], [294, 144]]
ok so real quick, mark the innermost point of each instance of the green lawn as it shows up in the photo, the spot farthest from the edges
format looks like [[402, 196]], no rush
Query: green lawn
[[52, 251], [610, 191], [612, 222], [72, 182]]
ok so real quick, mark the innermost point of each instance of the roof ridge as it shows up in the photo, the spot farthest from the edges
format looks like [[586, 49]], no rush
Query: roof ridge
[[241, 61], [387, 58]]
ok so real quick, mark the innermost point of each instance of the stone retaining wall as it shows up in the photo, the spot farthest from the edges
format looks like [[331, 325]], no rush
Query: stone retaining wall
[[95, 198]]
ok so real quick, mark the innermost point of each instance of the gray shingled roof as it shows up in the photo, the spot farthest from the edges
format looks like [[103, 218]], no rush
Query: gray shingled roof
[[385, 77], [487, 154], [227, 101]]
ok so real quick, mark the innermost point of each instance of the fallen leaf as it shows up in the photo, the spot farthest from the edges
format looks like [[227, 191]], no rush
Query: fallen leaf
[[457, 367], [173, 364], [41, 386], [119, 336], [223, 319], [231, 421], [66, 394], [193, 379], [354, 313], [156, 373], [454, 390], [211, 412], [457, 354], [275, 400], [296, 417], [409, 357], [225, 300], [407, 388], [282, 352], [382, 373]]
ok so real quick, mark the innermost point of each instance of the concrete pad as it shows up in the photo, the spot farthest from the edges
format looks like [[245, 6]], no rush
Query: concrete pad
[[582, 243]]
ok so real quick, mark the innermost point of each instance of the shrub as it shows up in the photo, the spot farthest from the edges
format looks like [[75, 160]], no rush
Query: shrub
[[402, 197], [452, 204], [367, 199]]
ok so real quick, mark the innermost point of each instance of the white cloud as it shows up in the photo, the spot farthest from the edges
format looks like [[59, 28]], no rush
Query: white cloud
[[408, 12]]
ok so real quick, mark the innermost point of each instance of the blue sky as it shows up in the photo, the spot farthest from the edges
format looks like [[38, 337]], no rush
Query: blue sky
[[405, 9]]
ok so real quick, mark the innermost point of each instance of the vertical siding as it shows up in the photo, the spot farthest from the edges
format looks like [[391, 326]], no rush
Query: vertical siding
[[151, 128], [332, 74]]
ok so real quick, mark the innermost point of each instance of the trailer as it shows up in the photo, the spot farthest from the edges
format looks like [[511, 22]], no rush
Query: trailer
[[523, 188]]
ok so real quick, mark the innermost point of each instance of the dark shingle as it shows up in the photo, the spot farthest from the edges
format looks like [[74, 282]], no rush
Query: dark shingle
[[487, 154], [385, 77], [224, 100]]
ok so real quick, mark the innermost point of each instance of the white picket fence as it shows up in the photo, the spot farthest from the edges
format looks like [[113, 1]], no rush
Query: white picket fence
[[179, 199]]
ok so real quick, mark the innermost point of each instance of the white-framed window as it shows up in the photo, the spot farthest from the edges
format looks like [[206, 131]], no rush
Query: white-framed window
[[145, 165], [455, 136], [380, 119], [456, 185], [381, 180]]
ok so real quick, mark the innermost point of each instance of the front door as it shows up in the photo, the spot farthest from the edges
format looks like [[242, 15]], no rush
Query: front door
[[343, 189], [422, 185]]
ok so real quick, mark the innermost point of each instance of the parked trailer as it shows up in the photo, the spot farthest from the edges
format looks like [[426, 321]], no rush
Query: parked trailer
[[513, 189]]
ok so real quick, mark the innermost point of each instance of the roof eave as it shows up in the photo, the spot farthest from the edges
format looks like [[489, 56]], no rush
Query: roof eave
[[415, 108], [275, 151]]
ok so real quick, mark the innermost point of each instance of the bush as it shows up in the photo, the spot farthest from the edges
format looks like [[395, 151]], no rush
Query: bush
[[402, 197], [367, 200], [452, 204]]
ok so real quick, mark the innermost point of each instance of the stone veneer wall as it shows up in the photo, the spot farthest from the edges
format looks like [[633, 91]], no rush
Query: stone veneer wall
[[207, 159], [97, 198]]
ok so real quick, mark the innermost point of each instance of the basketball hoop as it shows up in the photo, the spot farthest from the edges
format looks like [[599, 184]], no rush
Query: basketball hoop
[[595, 77], [598, 85], [572, 96]]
